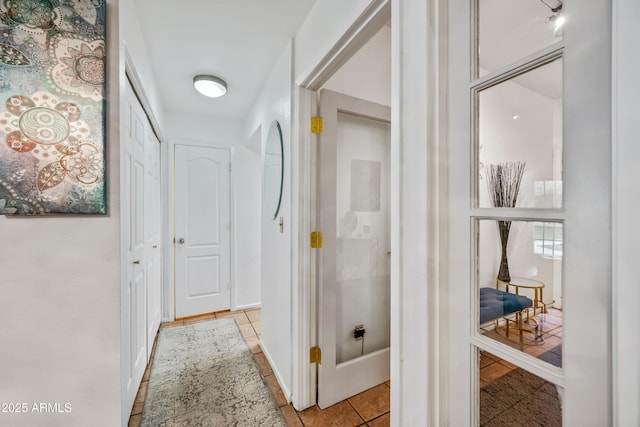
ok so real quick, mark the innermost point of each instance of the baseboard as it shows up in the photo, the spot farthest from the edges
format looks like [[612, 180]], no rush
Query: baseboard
[[247, 306], [276, 373]]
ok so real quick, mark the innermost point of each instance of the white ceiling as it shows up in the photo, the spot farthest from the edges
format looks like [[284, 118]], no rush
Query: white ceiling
[[236, 40], [513, 29]]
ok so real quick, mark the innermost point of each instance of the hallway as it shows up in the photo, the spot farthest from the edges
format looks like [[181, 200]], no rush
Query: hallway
[[369, 408]]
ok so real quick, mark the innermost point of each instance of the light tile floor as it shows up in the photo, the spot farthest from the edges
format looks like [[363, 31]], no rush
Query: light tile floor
[[369, 408]]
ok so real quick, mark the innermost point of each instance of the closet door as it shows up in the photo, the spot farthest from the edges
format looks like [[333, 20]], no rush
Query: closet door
[[152, 236], [141, 223]]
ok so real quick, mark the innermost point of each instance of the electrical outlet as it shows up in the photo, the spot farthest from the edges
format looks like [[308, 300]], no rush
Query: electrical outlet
[[358, 332]]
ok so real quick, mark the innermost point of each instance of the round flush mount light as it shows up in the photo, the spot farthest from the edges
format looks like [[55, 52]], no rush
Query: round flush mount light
[[210, 86]]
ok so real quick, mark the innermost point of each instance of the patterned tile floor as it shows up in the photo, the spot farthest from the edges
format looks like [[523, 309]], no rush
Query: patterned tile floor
[[369, 408]]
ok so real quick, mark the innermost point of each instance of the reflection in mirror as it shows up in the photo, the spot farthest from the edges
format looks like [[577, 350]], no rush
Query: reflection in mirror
[[520, 120], [363, 266], [509, 30], [511, 396], [273, 170], [524, 312]]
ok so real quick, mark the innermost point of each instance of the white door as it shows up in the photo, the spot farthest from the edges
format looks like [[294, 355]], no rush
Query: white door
[[354, 215], [152, 236], [202, 230], [534, 93], [141, 223]]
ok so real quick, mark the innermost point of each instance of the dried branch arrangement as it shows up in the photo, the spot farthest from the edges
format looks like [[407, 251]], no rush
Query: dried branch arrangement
[[503, 182]]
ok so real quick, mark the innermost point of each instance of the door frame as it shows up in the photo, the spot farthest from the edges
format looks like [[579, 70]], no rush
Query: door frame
[[625, 211], [169, 300], [418, 357], [304, 194]]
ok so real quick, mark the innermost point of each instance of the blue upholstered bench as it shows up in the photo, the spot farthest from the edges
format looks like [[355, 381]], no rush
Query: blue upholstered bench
[[495, 304]]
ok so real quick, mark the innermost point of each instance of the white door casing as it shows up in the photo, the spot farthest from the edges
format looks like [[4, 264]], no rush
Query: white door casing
[[202, 230], [338, 381]]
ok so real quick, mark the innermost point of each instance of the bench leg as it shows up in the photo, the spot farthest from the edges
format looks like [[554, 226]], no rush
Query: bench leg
[[519, 323]]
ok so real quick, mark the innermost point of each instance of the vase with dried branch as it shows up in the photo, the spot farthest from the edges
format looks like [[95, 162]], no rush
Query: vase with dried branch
[[503, 183]]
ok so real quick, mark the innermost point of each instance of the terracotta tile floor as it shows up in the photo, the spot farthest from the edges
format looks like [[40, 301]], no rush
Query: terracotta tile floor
[[492, 367], [551, 334], [369, 408]]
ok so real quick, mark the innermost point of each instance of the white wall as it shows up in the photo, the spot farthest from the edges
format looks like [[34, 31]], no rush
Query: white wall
[[60, 300], [367, 75], [203, 130], [325, 24], [274, 103], [136, 48], [247, 176]]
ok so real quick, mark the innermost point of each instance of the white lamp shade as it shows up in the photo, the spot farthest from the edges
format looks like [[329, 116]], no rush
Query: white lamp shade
[[210, 86]]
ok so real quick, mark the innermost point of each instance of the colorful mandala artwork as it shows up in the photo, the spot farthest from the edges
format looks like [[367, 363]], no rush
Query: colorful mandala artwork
[[52, 72]]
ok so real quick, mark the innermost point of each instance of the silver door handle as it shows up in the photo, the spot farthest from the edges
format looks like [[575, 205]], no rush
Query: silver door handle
[[180, 241]]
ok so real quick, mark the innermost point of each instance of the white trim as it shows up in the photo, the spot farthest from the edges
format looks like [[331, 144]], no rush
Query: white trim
[[247, 306], [232, 233], [169, 296], [417, 221], [625, 213], [372, 19], [303, 270], [285, 390], [132, 74]]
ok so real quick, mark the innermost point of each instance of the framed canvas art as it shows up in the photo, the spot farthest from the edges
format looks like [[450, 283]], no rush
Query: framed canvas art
[[52, 107]]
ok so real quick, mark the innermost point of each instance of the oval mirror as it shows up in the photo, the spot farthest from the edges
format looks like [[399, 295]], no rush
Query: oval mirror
[[273, 170]]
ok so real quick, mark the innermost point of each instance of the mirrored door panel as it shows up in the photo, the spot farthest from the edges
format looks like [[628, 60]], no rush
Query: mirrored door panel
[[519, 281], [509, 30], [520, 125], [362, 240]]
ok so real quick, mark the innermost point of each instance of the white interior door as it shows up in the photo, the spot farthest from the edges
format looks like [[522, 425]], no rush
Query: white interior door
[[141, 223], [202, 230], [153, 236], [354, 214]]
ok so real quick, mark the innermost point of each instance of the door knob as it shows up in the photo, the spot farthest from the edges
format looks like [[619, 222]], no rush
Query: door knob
[[136, 261], [180, 241]]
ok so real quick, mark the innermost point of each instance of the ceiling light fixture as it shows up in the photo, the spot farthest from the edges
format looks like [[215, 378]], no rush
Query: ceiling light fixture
[[556, 18], [210, 86], [558, 21]]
